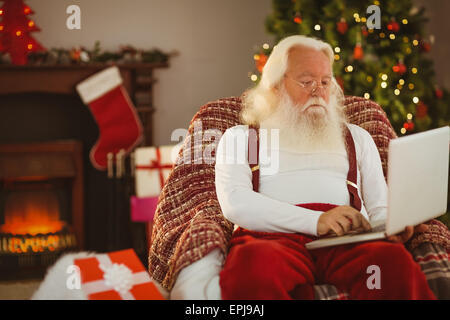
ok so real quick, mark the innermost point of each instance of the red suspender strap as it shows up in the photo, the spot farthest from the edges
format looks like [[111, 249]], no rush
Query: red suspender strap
[[352, 183], [253, 159]]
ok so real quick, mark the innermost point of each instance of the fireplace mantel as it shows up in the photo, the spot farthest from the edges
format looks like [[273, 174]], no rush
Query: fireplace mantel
[[138, 80]]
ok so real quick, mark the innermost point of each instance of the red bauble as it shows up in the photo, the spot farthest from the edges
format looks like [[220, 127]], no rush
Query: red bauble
[[261, 62], [364, 31], [408, 126], [399, 68], [393, 26], [422, 110], [342, 26], [298, 18], [439, 93], [358, 52], [425, 46]]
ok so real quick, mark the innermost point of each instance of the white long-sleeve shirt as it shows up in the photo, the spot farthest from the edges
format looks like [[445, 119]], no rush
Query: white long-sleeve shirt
[[300, 178]]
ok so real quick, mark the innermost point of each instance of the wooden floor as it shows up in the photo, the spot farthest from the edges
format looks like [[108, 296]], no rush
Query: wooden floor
[[18, 290]]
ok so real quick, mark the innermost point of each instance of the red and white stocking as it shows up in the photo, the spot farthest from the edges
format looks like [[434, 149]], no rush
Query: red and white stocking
[[116, 117]]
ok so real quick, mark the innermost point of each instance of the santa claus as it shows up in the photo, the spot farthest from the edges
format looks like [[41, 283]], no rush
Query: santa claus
[[310, 194]]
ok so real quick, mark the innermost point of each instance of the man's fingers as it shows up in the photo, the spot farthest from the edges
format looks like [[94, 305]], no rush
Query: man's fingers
[[359, 218], [407, 234], [403, 236], [394, 238], [354, 217], [345, 223], [336, 227], [421, 228], [409, 230], [366, 225], [362, 221]]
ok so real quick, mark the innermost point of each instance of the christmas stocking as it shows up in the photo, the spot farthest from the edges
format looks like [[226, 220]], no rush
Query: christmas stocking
[[116, 117]]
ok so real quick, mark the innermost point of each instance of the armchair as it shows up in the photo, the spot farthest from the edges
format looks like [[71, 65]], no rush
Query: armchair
[[189, 224]]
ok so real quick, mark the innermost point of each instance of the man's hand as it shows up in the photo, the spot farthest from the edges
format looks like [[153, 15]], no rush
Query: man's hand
[[408, 233], [341, 220]]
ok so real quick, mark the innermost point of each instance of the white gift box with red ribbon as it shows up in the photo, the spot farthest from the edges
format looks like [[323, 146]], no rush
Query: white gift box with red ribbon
[[152, 167]]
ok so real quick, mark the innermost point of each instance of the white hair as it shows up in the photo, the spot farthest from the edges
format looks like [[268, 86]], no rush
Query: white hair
[[258, 102]]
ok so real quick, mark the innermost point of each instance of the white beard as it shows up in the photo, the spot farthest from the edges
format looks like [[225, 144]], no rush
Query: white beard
[[317, 129]]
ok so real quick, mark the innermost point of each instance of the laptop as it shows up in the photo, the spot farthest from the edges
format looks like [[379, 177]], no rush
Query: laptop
[[418, 166]]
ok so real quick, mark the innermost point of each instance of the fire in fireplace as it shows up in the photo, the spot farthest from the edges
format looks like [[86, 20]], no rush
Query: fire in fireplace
[[33, 218], [31, 211]]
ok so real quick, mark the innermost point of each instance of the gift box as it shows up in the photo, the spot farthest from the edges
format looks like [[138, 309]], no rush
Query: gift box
[[152, 167], [143, 209], [118, 275]]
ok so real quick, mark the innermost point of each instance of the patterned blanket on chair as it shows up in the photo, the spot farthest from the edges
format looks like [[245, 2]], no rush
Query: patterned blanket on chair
[[189, 223]]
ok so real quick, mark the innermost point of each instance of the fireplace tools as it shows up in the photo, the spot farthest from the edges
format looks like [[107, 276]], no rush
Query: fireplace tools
[[122, 233], [119, 181]]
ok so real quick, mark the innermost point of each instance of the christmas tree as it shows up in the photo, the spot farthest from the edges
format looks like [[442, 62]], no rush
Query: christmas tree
[[15, 29], [388, 65]]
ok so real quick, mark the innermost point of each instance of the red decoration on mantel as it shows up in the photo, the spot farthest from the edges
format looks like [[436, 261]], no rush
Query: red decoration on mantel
[[15, 28], [117, 119]]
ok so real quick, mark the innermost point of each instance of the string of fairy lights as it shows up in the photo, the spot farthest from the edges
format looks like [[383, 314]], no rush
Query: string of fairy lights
[[261, 57]]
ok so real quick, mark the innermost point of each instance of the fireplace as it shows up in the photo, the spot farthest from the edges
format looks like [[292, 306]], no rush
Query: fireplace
[[39, 108], [41, 202]]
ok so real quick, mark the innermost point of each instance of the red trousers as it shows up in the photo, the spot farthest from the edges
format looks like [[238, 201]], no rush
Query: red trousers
[[274, 266]]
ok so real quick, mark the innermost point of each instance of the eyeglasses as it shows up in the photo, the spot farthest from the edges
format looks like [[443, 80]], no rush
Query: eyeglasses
[[312, 85]]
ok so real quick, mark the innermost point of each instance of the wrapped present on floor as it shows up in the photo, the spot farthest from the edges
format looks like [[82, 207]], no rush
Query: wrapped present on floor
[[152, 167], [118, 275]]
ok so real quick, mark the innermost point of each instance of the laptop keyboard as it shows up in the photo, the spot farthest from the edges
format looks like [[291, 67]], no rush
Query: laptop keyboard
[[376, 227], [379, 228]]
